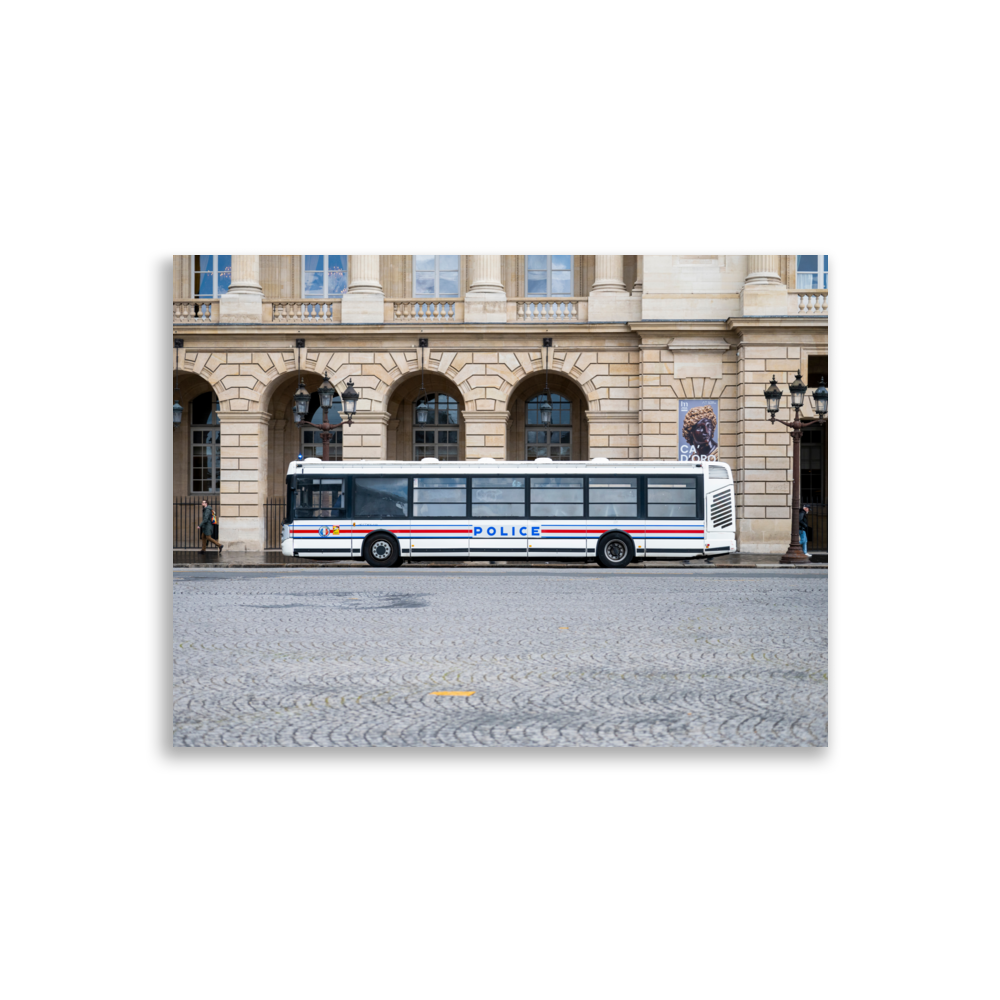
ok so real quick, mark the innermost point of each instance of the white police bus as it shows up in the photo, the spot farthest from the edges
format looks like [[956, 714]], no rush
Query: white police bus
[[610, 510]]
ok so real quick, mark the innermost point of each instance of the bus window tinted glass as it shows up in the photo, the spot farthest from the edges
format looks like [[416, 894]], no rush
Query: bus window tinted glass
[[439, 496], [319, 498], [380, 497], [492, 495], [614, 510], [556, 509], [498, 510], [679, 510], [556, 496], [439, 482], [438, 509]]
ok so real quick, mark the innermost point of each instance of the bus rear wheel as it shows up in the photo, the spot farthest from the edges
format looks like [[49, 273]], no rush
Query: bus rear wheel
[[382, 552], [615, 551]]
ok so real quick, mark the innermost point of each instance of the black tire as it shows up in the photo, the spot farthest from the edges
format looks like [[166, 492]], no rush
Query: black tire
[[615, 551], [382, 552]]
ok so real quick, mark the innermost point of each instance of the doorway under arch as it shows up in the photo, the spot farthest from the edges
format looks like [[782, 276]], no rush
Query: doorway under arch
[[428, 422], [564, 438]]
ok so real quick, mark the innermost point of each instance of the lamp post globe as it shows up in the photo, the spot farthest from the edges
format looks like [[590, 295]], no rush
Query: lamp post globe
[[350, 398], [327, 394], [821, 398], [773, 396], [798, 392]]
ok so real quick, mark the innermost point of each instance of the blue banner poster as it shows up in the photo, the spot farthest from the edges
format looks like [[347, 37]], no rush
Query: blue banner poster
[[698, 430]]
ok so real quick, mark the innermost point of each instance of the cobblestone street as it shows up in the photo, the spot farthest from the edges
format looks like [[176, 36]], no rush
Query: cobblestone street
[[555, 657]]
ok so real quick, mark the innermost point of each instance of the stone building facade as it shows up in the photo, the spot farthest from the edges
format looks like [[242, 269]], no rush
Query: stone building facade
[[620, 340]]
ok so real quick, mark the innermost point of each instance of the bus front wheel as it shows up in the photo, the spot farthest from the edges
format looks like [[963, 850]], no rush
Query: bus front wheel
[[382, 552], [615, 551]]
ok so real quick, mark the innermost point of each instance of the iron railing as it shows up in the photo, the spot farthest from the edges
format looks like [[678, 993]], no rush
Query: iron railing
[[274, 514], [187, 519], [817, 535]]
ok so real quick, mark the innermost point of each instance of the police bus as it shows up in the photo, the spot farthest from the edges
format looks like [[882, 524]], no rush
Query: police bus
[[610, 510]]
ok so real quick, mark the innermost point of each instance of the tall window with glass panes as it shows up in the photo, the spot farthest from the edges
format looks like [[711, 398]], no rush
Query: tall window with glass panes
[[435, 427], [553, 439], [549, 275], [205, 465], [435, 276], [811, 270], [211, 274], [324, 275]]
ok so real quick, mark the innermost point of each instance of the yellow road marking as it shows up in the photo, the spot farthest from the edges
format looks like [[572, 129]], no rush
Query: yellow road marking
[[563, 628], [453, 692]]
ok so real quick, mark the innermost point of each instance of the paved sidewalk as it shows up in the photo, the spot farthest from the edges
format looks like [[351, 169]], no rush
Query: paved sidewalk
[[192, 557]]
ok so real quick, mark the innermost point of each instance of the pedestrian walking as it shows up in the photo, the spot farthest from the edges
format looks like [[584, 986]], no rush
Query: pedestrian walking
[[803, 527], [208, 520]]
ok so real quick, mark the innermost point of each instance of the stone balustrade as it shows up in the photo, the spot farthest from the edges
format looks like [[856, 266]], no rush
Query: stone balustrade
[[304, 310], [546, 310], [808, 303], [425, 310], [196, 311]]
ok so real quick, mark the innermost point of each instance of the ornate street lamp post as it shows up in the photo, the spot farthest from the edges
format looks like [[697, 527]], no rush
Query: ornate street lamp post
[[327, 394], [820, 400]]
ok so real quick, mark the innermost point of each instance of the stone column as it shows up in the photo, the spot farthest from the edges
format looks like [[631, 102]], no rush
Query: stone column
[[609, 273], [763, 292], [243, 479], [637, 285], [486, 299], [364, 300], [244, 301], [609, 302], [486, 434], [367, 436]]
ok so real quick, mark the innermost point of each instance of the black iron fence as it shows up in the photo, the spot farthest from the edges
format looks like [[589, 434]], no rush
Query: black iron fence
[[274, 514], [817, 536], [187, 520]]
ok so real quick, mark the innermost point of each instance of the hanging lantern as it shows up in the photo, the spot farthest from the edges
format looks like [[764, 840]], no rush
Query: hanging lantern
[[773, 396], [301, 400], [798, 391], [821, 398], [178, 413], [546, 411], [327, 393], [350, 397], [423, 411]]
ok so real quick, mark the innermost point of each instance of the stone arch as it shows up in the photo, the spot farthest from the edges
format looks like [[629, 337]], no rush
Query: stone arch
[[189, 387], [530, 386], [400, 404], [283, 434]]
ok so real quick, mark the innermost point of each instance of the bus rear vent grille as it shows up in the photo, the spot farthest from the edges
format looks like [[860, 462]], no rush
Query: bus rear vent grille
[[722, 509]]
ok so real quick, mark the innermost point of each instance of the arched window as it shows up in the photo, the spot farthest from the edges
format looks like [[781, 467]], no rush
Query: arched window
[[435, 427], [311, 446], [552, 440], [549, 275], [435, 276], [212, 273], [324, 275], [808, 270], [204, 411]]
